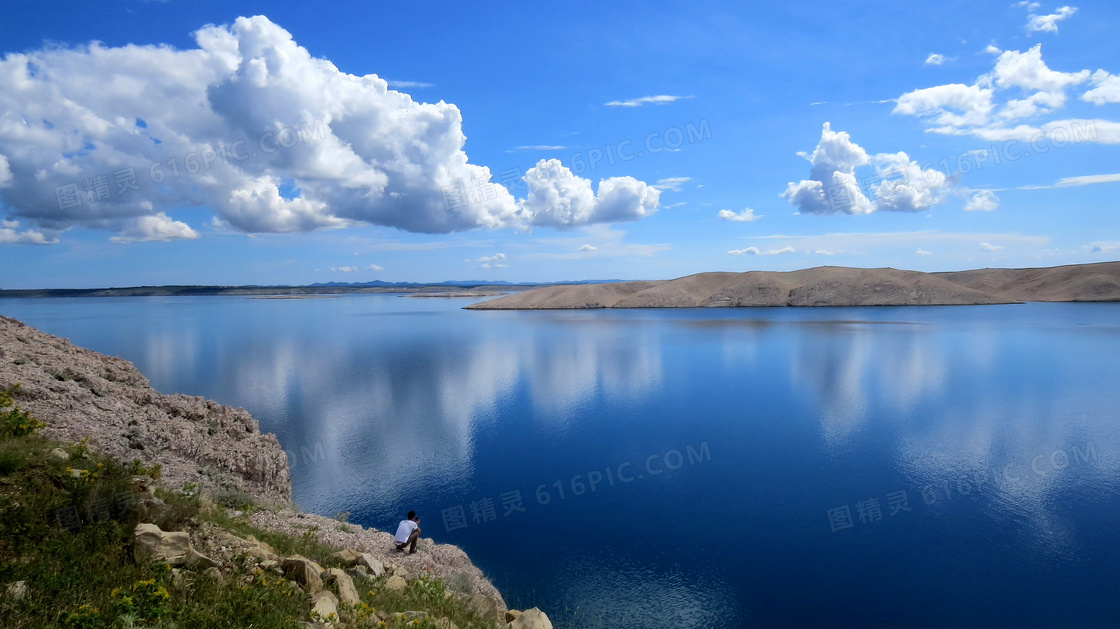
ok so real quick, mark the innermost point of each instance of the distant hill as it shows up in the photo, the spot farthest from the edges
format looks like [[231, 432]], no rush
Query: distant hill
[[329, 288], [831, 286]]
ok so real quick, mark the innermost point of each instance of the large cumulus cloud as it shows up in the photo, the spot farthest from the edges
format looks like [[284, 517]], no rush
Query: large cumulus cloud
[[272, 139], [897, 183]]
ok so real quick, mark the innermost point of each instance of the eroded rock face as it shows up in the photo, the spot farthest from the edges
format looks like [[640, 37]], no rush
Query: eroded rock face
[[82, 394]]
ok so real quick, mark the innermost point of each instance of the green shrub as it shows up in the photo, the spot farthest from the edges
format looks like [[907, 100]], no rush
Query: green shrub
[[15, 422]]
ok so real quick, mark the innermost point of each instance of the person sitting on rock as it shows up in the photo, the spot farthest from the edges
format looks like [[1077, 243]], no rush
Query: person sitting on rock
[[408, 532]]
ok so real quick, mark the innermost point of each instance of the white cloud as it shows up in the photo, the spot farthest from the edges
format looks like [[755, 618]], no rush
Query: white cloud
[[753, 251], [10, 235], [375, 267], [672, 183], [1028, 71], [834, 163], [344, 269], [157, 228], [660, 99], [1088, 180], [982, 201], [833, 188], [1047, 23], [498, 257], [537, 147], [5, 172], [1107, 89], [992, 49], [1103, 247], [588, 248], [746, 216], [990, 247], [935, 59], [315, 147], [952, 105], [923, 252], [915, 190], [1029, 89], [559, 199]]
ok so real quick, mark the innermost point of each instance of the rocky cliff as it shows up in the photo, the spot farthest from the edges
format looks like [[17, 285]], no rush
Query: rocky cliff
[[81, 394]]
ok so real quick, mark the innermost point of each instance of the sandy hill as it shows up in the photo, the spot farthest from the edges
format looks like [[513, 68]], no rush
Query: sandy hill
[[831, 286]]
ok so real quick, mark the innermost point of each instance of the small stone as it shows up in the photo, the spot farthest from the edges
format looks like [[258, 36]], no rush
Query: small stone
[[60, 454], [445, 623], [395, 583], [301, 569], [324, 606], [214, 574], [369, 562], [348, 556], [512, 615], [18, 590], [347, 593], [531, 619]]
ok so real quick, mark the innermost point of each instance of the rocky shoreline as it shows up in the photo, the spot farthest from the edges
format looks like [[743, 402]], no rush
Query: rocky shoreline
[[83, 395]]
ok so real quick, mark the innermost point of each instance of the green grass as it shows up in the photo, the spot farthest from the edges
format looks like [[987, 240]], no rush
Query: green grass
[[84, 577]]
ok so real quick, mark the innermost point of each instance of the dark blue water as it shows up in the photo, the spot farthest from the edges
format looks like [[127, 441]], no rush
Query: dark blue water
[[924, 467]]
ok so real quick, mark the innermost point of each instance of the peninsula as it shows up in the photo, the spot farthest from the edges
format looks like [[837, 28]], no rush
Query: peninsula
[[830, 286]]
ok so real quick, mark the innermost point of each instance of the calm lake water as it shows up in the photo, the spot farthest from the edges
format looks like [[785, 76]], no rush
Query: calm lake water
[[923, 466]]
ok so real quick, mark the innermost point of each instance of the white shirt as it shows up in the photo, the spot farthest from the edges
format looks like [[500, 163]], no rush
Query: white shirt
[[405, 530]]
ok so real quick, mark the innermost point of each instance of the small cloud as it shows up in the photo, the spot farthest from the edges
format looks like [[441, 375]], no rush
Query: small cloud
[[496, 261], [661, 99], [1102, 247], [992, 49], [753, 251], [1088, 180], [375, 267], [537, 147], [408, 84], [746, 216], [9, 235], [990, 247], [935, 59], [588, 248], [344, 269], [818, 103], [982, 201], [669, 207], [923, 252], [157, 228], [672, 183], [1047, 23]]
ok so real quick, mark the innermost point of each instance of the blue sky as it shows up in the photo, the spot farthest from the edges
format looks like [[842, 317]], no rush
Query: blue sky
[[724, 137]]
